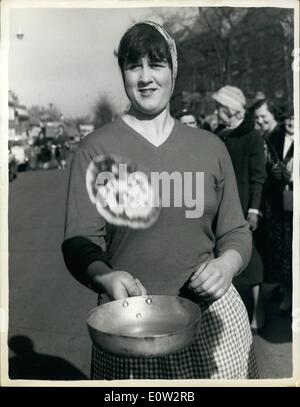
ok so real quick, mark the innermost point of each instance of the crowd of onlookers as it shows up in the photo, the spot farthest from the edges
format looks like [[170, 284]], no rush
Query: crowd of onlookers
[[260, 140], [42, 151], [52, 152]]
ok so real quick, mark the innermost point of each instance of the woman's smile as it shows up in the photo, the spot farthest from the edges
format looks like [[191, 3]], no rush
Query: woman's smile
[[147, 91]]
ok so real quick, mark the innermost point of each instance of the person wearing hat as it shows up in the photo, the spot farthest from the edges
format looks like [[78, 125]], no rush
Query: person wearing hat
[[246, 149]]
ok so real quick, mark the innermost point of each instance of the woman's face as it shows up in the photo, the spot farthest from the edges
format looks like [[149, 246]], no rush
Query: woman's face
[[225, 115], [148, 85], [264, 119], [189, 120]]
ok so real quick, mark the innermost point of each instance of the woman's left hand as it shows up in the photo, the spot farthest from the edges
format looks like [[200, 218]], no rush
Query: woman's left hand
[[213, 278], [253, 220]]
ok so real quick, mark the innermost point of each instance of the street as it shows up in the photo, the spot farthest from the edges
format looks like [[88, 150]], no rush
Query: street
[[48, 337]]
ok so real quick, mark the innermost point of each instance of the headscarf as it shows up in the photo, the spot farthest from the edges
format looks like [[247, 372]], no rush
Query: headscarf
[[172, 47], [232, 97]]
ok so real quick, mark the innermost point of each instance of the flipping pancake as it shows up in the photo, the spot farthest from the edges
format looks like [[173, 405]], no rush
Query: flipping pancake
[[123, 195]]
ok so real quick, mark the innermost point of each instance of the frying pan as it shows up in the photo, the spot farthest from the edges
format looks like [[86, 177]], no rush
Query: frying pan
[[144, 326]]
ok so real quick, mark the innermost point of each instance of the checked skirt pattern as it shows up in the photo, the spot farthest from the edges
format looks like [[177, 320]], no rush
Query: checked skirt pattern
[[223, 350]]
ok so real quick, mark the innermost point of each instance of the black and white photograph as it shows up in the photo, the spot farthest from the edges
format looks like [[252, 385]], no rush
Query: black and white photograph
[[149, 226]]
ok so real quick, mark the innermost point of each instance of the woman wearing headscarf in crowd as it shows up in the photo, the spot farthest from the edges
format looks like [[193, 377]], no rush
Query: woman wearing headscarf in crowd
[[276, 237], [245, 147], [190, 253]]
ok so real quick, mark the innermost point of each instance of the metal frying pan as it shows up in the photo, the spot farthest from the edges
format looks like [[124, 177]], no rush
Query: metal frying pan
[[144, 326]]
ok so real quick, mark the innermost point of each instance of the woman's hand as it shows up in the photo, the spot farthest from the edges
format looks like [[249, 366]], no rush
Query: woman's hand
[[213, 278], [116, 284], [277, 171], [253, 220], [120, 284]]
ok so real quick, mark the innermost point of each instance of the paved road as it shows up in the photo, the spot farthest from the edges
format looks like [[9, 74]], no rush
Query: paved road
[[48, 308]]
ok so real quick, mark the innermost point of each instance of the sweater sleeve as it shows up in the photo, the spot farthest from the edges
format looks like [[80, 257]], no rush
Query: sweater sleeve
[[231, 228], [257, 170], [84, 235]]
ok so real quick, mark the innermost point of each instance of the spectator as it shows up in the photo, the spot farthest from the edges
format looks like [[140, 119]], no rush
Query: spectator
[[274, 243], [187, 117], [61, 144], [245, 147], [42, 147], [210, 123]]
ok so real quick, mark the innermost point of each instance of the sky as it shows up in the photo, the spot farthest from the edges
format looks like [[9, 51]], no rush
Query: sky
[[66, 55]]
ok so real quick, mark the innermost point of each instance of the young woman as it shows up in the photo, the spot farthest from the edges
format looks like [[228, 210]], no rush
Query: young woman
[[184, 250], [276, 237]]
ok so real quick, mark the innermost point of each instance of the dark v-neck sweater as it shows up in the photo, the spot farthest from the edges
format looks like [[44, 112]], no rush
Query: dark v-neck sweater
[[165, 255]]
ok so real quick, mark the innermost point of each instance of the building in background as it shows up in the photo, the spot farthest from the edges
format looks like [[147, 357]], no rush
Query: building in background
[[18, 117]]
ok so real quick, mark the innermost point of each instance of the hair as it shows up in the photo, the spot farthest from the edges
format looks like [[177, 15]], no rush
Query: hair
[[185, 112], [272, 106], [288, 111], [140, 41]]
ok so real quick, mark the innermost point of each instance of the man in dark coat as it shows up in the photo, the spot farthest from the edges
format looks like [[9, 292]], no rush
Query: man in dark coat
[[246, 148]]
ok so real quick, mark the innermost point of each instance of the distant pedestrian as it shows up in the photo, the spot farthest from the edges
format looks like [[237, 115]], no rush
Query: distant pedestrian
[[42, 148], [61, 142]]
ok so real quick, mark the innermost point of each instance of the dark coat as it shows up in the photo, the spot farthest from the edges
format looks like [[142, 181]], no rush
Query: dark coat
[[275, 238], [61, 149], [273, 188], [246, 149]]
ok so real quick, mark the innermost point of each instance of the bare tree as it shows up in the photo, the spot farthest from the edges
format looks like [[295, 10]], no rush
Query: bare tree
[[103, 111], [50, 113], [246, 47]]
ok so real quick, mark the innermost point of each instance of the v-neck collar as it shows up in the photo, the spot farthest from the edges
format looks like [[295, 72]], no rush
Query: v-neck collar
[[146, 141]]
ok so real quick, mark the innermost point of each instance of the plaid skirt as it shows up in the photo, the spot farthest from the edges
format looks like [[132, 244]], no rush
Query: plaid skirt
[[223, 350]]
